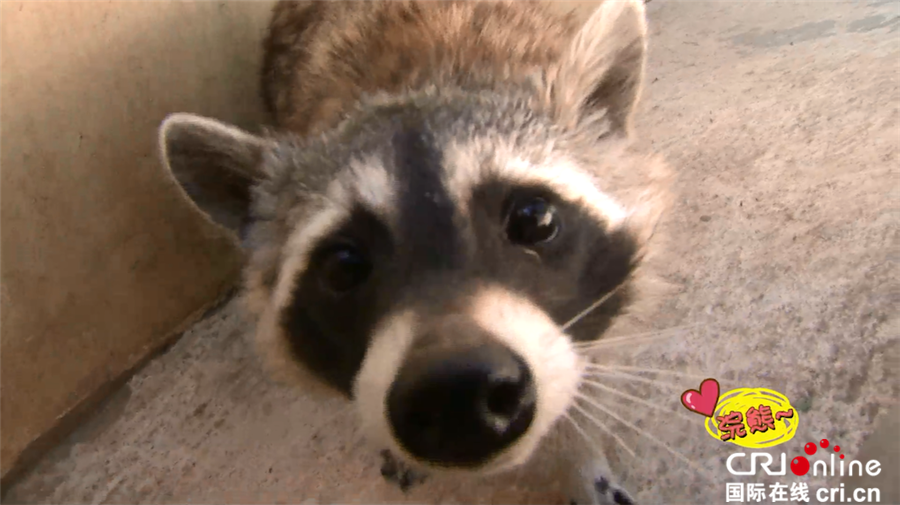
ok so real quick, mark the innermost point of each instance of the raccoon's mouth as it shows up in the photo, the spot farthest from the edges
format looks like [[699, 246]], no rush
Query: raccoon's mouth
[[476, 392]]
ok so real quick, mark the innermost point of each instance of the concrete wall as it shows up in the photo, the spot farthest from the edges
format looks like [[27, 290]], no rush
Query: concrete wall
[[102, 260]]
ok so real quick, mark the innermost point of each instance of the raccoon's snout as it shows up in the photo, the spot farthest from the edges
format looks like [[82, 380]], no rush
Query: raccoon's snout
[[460, 409]]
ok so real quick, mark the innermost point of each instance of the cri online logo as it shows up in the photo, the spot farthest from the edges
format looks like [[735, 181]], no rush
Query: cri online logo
[[800, 465]]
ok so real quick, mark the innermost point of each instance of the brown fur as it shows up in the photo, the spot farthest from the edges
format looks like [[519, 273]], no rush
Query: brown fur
[[321, 57]]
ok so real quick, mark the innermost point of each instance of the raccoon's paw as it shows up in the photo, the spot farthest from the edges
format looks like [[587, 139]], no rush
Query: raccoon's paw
[[399, 474], [602, 492], [593, 484]]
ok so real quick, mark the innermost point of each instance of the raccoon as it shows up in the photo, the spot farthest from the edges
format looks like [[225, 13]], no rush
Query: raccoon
[[446, 185]]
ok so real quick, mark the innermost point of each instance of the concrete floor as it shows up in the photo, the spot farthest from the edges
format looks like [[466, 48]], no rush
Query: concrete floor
[[782, 119]]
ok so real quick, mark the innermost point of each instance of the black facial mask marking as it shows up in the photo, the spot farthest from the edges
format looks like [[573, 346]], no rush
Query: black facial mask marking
[[565, 275], [426, 208], [327, 330], [427, 259]]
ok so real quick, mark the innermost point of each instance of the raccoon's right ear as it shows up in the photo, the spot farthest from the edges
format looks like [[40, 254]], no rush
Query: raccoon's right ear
[[602, 70], [216, 164]]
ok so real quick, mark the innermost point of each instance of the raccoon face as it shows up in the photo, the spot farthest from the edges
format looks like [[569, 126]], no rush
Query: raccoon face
[[424, 256]]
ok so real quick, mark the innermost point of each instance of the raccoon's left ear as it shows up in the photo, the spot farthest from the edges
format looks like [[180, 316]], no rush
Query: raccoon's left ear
[[214, 163], [603, 68]]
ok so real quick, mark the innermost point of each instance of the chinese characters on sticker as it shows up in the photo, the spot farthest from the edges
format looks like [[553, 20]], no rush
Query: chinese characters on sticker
[[734, 424]]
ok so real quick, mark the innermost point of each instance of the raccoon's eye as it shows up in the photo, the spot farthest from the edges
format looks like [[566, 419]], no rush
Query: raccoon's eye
[[532, 221], [343, 268]]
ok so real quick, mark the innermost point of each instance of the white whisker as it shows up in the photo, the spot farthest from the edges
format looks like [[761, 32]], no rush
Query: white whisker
[[591, 308], [595, 384], [656, 371], [649, 436], [616, 371], [581, 431], [632, 339], [600, 424], [595, 370]]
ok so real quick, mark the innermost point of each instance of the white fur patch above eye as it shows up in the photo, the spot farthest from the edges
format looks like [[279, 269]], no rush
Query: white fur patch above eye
[[475, 162], [299, 247], [371, 186], [365, 182], [573, 185]]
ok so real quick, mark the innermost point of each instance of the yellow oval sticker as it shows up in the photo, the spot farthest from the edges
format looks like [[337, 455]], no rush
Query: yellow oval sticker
[[753, 418]]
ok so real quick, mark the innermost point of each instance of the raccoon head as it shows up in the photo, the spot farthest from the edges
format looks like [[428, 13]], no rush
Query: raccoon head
[[424, 256]]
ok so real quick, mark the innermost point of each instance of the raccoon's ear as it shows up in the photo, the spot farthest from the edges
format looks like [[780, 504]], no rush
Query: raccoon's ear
[[216, 164], [603, 68]]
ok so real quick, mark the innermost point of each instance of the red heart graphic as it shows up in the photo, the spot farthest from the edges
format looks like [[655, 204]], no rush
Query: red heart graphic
[[704, 401]]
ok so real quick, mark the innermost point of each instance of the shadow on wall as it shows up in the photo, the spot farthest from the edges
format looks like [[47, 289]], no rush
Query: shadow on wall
[[103, 262]]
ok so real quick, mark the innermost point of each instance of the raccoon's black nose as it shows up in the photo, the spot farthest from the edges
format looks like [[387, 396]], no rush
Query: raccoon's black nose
[[461, 408]]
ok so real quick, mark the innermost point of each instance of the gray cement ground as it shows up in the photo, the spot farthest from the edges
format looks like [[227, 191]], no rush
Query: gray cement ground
[[782, 119]]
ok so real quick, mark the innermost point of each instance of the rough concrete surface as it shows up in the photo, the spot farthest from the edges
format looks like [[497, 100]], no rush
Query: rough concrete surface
[[782, 119]]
